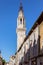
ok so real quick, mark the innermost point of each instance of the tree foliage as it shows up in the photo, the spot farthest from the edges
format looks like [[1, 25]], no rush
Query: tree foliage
[[3, 61]]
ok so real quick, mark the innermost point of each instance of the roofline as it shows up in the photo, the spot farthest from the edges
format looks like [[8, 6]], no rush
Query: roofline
[[38, 21]]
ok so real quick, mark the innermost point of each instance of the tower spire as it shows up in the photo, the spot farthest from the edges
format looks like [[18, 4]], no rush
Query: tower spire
[[21, 7]]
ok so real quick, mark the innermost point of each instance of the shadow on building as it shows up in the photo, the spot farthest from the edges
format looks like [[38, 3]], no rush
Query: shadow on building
[[34, 55]]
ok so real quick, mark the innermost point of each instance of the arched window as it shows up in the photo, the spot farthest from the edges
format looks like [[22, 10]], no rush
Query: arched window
[[21, 21]]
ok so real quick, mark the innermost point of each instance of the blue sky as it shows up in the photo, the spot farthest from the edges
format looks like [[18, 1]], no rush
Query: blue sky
[[8, 20]]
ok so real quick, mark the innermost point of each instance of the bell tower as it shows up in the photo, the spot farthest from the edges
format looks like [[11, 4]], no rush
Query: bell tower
[[21, 30]]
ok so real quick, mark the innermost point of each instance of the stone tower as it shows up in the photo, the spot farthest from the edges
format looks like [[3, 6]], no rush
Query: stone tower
[[21, 30]]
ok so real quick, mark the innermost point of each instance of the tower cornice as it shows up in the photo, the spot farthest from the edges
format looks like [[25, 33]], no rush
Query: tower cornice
[[20, 29]]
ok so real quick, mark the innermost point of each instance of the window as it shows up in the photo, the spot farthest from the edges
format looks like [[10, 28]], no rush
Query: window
[[21, 21]]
